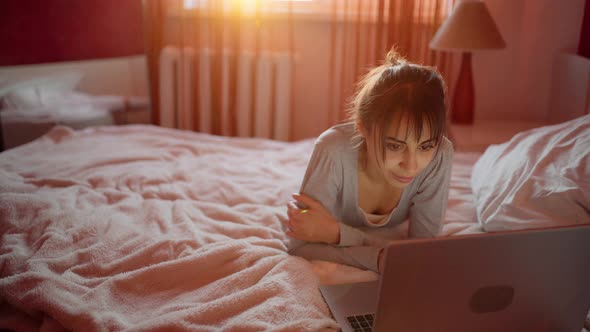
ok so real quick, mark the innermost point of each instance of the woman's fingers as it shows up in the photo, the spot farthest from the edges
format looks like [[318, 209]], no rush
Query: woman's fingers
[[298, 219], [292, 205], [294, 212], [313, 223], [291, 208], [306, 200], [293, 234], [293, 230], [286, 222]]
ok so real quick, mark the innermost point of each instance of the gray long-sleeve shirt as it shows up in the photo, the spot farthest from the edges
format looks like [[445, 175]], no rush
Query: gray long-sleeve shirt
[[332, 179]]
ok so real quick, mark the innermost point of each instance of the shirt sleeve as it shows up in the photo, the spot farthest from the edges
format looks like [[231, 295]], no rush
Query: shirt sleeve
[[428, 206], [351, 236], [363, 257], [321, 181]]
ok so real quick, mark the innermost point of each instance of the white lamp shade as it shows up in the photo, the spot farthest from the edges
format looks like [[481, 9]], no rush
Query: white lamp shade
[[469, 27]]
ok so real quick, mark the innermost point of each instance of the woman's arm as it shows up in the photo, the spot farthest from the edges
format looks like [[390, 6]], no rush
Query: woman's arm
[[313, 223], [313, 217], [362, 257], [320, 230]]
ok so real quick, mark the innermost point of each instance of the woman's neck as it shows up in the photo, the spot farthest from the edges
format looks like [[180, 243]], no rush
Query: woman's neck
[[369, 167], [375, 194]]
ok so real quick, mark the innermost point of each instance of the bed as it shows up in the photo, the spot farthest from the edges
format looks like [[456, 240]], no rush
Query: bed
[[151, 228], [77, 94], [140, 227], [145, 228]]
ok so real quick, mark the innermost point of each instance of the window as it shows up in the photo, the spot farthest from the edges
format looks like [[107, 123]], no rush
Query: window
[[318, 9]]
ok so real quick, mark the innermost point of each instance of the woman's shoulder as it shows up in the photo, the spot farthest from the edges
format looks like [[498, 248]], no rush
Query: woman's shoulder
[[443, 160], [337, 137], [446, 148], [339, 133], [441, 163]]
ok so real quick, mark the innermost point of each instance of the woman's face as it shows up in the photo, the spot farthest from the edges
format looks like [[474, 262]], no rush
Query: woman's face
[[405, 154]]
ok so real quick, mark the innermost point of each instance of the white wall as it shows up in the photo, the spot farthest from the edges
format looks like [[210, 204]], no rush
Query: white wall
[[515, 83]]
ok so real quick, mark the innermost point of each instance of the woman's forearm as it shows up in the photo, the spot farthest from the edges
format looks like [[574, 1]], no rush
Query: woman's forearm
[[363, 257]]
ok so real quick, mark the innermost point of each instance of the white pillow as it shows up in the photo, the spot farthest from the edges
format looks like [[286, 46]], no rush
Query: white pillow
[[540, 178], [37, 91]]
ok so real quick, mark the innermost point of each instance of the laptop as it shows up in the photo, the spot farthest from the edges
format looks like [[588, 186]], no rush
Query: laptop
[[527, 280]]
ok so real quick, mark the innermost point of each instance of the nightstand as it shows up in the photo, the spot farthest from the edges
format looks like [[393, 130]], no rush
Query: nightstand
[[478, 136]]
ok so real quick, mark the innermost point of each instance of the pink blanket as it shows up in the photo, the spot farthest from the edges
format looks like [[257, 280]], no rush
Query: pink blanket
[[145, 228]]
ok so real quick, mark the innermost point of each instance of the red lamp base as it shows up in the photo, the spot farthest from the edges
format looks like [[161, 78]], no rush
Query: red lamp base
[[463, 99]]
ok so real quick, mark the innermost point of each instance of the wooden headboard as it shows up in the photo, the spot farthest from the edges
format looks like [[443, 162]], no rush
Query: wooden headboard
[[570, 93]]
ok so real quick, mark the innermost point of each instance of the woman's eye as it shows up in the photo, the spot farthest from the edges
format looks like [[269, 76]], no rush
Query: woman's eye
[[394, 146], [427, 147]]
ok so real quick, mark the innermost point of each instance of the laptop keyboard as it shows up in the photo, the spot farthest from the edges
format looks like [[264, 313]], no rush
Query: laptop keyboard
[[361, 323]]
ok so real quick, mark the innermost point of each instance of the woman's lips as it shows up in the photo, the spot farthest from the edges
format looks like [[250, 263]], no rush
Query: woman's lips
[[403, 179]]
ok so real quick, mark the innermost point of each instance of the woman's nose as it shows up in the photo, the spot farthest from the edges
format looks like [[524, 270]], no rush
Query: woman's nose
[[409, 161]]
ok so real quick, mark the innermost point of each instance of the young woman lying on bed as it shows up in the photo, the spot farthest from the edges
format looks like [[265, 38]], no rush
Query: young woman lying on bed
[[390, 163]]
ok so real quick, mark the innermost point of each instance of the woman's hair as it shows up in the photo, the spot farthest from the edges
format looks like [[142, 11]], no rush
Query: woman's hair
[[398, 86]]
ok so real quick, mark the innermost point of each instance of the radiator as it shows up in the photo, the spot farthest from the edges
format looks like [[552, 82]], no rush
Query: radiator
[[177, 92]]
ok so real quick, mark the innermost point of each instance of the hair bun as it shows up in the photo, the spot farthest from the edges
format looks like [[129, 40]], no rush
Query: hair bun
[[393, 58]]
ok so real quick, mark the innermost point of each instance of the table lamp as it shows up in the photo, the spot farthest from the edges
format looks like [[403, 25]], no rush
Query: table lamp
[[470, 27]]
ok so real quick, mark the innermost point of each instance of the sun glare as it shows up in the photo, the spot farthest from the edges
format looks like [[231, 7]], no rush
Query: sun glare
[[245, 6], [248, 6], [190, 4]]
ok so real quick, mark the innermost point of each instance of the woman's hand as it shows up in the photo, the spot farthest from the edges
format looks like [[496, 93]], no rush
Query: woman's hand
[[313, 224]]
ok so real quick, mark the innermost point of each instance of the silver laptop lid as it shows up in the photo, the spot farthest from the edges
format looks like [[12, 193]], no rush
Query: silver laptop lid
[[531, 280]]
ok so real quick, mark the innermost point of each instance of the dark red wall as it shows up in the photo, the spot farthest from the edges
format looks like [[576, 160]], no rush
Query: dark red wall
[[584, 46], [39, 31]]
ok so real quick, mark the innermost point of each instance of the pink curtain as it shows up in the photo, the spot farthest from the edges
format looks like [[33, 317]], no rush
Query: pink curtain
[[209, 43], [317, 49], [363, 31]]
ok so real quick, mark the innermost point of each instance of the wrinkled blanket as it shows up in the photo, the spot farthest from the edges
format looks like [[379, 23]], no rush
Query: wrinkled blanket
[[147, 228]]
